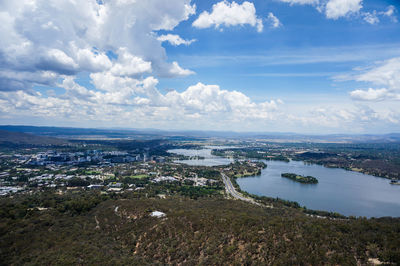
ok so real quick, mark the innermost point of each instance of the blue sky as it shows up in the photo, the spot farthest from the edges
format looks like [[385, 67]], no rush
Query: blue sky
[[300, 56], [306, 66]]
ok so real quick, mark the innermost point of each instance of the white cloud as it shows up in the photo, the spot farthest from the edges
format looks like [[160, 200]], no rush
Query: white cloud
[[335, 9], [340, 8], [12, 80], [174, 39], [369, 95], [176, 70], [371, 18], [275, 23], [129, 65], [50, 25], [48, 43], [374, 16], [105, 81], [124, 101], [390, 13], [385, 74], [58, 61], [210, 100], [229, 14], [133, 101], [91, 60], [352, 119], [68, 37]]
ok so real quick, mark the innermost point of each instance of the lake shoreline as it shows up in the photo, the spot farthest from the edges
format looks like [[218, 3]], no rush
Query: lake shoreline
[[340, 190], [363, 179]]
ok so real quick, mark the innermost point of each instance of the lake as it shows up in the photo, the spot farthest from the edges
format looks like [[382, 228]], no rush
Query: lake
[[210, 160], [338, 190]]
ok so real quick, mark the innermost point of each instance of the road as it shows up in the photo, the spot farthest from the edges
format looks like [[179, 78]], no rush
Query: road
[[232, 191]]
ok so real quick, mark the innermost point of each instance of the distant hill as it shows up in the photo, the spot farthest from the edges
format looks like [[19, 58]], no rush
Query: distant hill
[[82, 133], [8, 137], [115, 133]]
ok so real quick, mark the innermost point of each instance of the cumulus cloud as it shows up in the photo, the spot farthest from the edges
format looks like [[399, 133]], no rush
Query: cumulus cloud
[[229, 14], [370, 94], [89, 59], [211, 100], [275, 23], [106, 81], [123, 101], [175, 40], [340, 8], [21, 80], [176, 70], [49, 44], [58, 61], [129, 65], [137, 100], [44, 39]]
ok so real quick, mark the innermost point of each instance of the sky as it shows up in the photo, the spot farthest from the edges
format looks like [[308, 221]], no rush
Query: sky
[[303, 66]]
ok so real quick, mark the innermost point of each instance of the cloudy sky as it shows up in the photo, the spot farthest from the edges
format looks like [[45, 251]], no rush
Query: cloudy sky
[[306, 66]]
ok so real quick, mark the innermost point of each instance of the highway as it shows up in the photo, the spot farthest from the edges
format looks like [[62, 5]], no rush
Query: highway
[[232, 191]]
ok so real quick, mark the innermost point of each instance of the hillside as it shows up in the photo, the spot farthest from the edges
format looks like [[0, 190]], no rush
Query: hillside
[[118, 230], [18, 138], [113, 133]]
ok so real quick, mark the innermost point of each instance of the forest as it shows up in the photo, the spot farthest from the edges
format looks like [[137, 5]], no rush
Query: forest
[[300, 178], [92, 228]]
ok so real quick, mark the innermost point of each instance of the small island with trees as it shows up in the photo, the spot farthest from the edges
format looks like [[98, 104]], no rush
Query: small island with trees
[[300, 178]]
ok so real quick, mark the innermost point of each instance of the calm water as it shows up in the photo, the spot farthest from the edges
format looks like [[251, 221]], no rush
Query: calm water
[[210, 160], [338, 190]]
